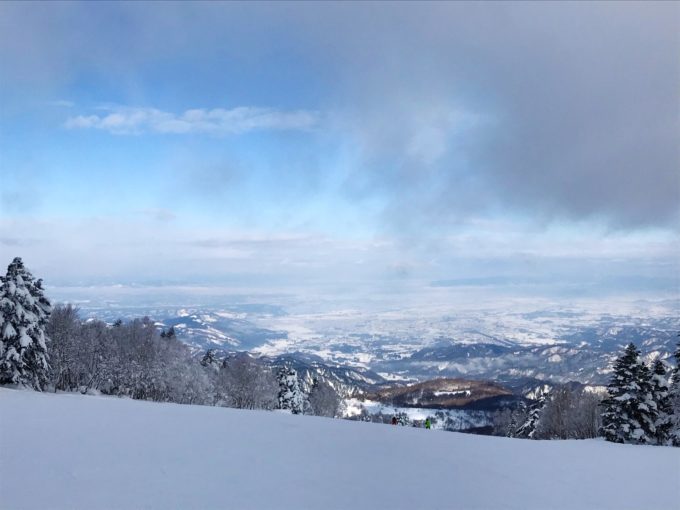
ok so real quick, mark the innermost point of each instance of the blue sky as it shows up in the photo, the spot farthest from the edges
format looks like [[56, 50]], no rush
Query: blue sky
[[325, 143]]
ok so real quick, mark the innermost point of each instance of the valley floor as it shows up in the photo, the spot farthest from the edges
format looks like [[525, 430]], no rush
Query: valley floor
[[85, 452]]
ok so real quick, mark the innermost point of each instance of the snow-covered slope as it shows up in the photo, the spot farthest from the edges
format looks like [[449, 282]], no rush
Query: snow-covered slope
[[84, 452]]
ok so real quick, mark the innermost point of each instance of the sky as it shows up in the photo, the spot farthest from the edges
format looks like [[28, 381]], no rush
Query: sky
[[302, 145]]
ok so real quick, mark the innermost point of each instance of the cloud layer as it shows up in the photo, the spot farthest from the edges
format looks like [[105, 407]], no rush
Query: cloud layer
[[143, 248], [418, 124], [218, 121], [580, 100]]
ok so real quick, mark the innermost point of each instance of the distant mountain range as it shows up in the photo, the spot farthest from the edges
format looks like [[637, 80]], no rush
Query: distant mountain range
[[361, 352], [585, 356], [209, 330]]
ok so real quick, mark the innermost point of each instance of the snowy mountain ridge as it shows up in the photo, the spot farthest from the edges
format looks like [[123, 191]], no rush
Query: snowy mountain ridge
[[512, 345]]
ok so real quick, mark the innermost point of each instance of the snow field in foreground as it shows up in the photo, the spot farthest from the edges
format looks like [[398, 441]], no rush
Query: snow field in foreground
[[86, 452]]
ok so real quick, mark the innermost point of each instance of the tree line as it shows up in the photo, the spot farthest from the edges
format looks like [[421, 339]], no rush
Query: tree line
[[563, 412], [53, 349], [641, 406]]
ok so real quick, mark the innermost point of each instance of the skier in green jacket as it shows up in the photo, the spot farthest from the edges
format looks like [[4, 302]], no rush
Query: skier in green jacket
[[428, 425]]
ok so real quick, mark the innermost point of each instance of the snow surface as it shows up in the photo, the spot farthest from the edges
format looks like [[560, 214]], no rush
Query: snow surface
[[86, 452]]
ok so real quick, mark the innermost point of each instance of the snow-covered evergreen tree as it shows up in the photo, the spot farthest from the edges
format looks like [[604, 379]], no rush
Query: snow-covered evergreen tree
[[403, 419], [530, 425], [661, 397], [209, 358], [629, 411], [674, 401], [647, 406], [24, 312], [169, 334], [290, 394]]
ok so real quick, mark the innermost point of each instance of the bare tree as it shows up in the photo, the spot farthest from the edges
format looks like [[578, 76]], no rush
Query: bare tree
[[323, 399], [63, 329], [569, 414], [124, 359], [506, 421], [245, 383]]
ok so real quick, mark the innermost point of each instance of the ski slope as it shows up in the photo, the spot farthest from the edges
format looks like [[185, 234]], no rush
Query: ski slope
[[86, 452]]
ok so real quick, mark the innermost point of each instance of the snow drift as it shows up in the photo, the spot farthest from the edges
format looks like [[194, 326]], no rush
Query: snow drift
[[84, 452]]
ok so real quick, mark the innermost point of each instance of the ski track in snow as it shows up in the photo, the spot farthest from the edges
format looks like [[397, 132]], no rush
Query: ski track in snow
[[85, 452]]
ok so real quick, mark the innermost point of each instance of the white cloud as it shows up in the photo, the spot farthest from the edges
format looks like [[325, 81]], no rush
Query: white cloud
[[218, 121]]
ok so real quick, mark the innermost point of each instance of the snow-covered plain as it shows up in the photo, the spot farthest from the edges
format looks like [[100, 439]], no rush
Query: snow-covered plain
[[86, 452]]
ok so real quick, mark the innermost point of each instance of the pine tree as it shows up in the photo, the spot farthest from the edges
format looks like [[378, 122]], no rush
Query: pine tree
[[629, 410], [169, 334], [528, 428], [209, 358], [24, 312], [647, 407], [661, 397], [674, 401], [403, 419], [290, 394]]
